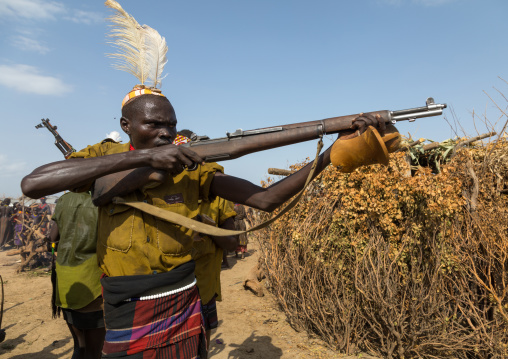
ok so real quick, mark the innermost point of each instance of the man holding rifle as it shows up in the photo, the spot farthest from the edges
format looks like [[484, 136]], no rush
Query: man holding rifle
[[135, 244], [151, 303]]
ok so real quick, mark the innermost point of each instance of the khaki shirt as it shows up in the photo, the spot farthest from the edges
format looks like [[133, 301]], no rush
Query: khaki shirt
[[207, 255], [131, 242]]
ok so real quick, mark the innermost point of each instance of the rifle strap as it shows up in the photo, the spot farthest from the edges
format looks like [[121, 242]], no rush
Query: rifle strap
[[208, 229]]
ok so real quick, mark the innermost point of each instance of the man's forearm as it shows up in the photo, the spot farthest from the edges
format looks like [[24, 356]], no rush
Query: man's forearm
[[266, 199], [74, 173], [123, 182]]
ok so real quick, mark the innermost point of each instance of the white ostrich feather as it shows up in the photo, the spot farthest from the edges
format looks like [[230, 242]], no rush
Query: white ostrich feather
[[129, 38], [155, 50]]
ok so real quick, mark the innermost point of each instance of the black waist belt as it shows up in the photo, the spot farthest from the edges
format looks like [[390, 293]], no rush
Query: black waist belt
[[118, 289]]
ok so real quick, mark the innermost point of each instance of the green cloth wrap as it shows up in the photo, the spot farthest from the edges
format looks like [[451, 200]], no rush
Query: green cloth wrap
[[78, 273]]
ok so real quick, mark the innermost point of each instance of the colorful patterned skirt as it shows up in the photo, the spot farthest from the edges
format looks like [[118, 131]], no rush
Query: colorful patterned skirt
[[168, 327]]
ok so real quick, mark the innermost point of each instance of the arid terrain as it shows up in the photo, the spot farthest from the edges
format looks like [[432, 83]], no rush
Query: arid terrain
[[249, 326]]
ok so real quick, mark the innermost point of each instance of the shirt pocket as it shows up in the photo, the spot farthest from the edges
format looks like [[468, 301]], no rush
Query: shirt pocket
[[118, 224], [173, 239]]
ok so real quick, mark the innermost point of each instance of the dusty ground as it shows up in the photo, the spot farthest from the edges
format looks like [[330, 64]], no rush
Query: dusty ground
[[249, 327]]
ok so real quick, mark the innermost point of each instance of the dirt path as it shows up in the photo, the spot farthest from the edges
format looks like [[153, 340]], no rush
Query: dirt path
[[31, 332], [249, 326]]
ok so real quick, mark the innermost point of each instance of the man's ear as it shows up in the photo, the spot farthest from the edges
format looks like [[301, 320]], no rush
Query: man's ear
[[125, 124]]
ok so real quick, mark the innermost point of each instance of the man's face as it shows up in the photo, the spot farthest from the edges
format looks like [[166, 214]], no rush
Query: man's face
[[153, 125]]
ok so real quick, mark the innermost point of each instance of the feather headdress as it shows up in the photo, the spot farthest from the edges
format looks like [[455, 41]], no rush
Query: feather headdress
[[142, 50]]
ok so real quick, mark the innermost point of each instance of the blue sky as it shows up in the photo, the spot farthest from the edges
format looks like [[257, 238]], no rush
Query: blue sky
[[248, 64]]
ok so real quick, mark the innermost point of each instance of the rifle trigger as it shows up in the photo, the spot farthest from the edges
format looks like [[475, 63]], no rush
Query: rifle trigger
[[412, 119], [191, 167]]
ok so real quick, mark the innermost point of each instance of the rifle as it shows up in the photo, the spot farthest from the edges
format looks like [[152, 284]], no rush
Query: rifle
[[60, 143], [240, 143]]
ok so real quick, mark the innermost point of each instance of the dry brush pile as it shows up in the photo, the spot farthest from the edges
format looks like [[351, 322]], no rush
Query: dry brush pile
[[399, 265]]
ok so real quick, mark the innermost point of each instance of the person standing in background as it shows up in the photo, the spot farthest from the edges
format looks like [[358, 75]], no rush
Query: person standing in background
[[43, 208], [18, 220], [241, 249], [77, 288], [6, 229]]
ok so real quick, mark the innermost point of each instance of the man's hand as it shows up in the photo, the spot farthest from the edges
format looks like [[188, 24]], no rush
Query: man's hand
[[173, 158], [365, 120], [161, 162]]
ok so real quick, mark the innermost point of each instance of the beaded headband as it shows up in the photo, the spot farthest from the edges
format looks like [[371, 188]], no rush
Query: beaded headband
[[138, 91], [180, 140]]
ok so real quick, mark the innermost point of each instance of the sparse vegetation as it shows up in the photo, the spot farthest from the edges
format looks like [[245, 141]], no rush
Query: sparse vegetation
[[404, 261]]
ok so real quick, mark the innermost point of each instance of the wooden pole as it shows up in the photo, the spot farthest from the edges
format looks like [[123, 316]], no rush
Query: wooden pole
[[279, 172]]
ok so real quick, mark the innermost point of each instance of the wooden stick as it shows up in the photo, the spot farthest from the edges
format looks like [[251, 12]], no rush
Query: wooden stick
[[431, 146], [417, 142], [412, 144], [471, 140], [279, 172], [477, 138]]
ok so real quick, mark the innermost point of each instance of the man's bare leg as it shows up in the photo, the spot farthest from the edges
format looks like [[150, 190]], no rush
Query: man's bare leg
[[94, 341], [79, 342]]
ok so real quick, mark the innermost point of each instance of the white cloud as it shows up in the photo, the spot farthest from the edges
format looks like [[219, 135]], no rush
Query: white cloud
[[29, 44], [40, 10], [11, 167], [25, 78], [31, 9], [46, 10], [85, 17]]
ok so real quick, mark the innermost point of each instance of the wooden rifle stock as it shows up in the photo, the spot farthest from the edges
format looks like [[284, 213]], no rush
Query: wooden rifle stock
[[241, 143]]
